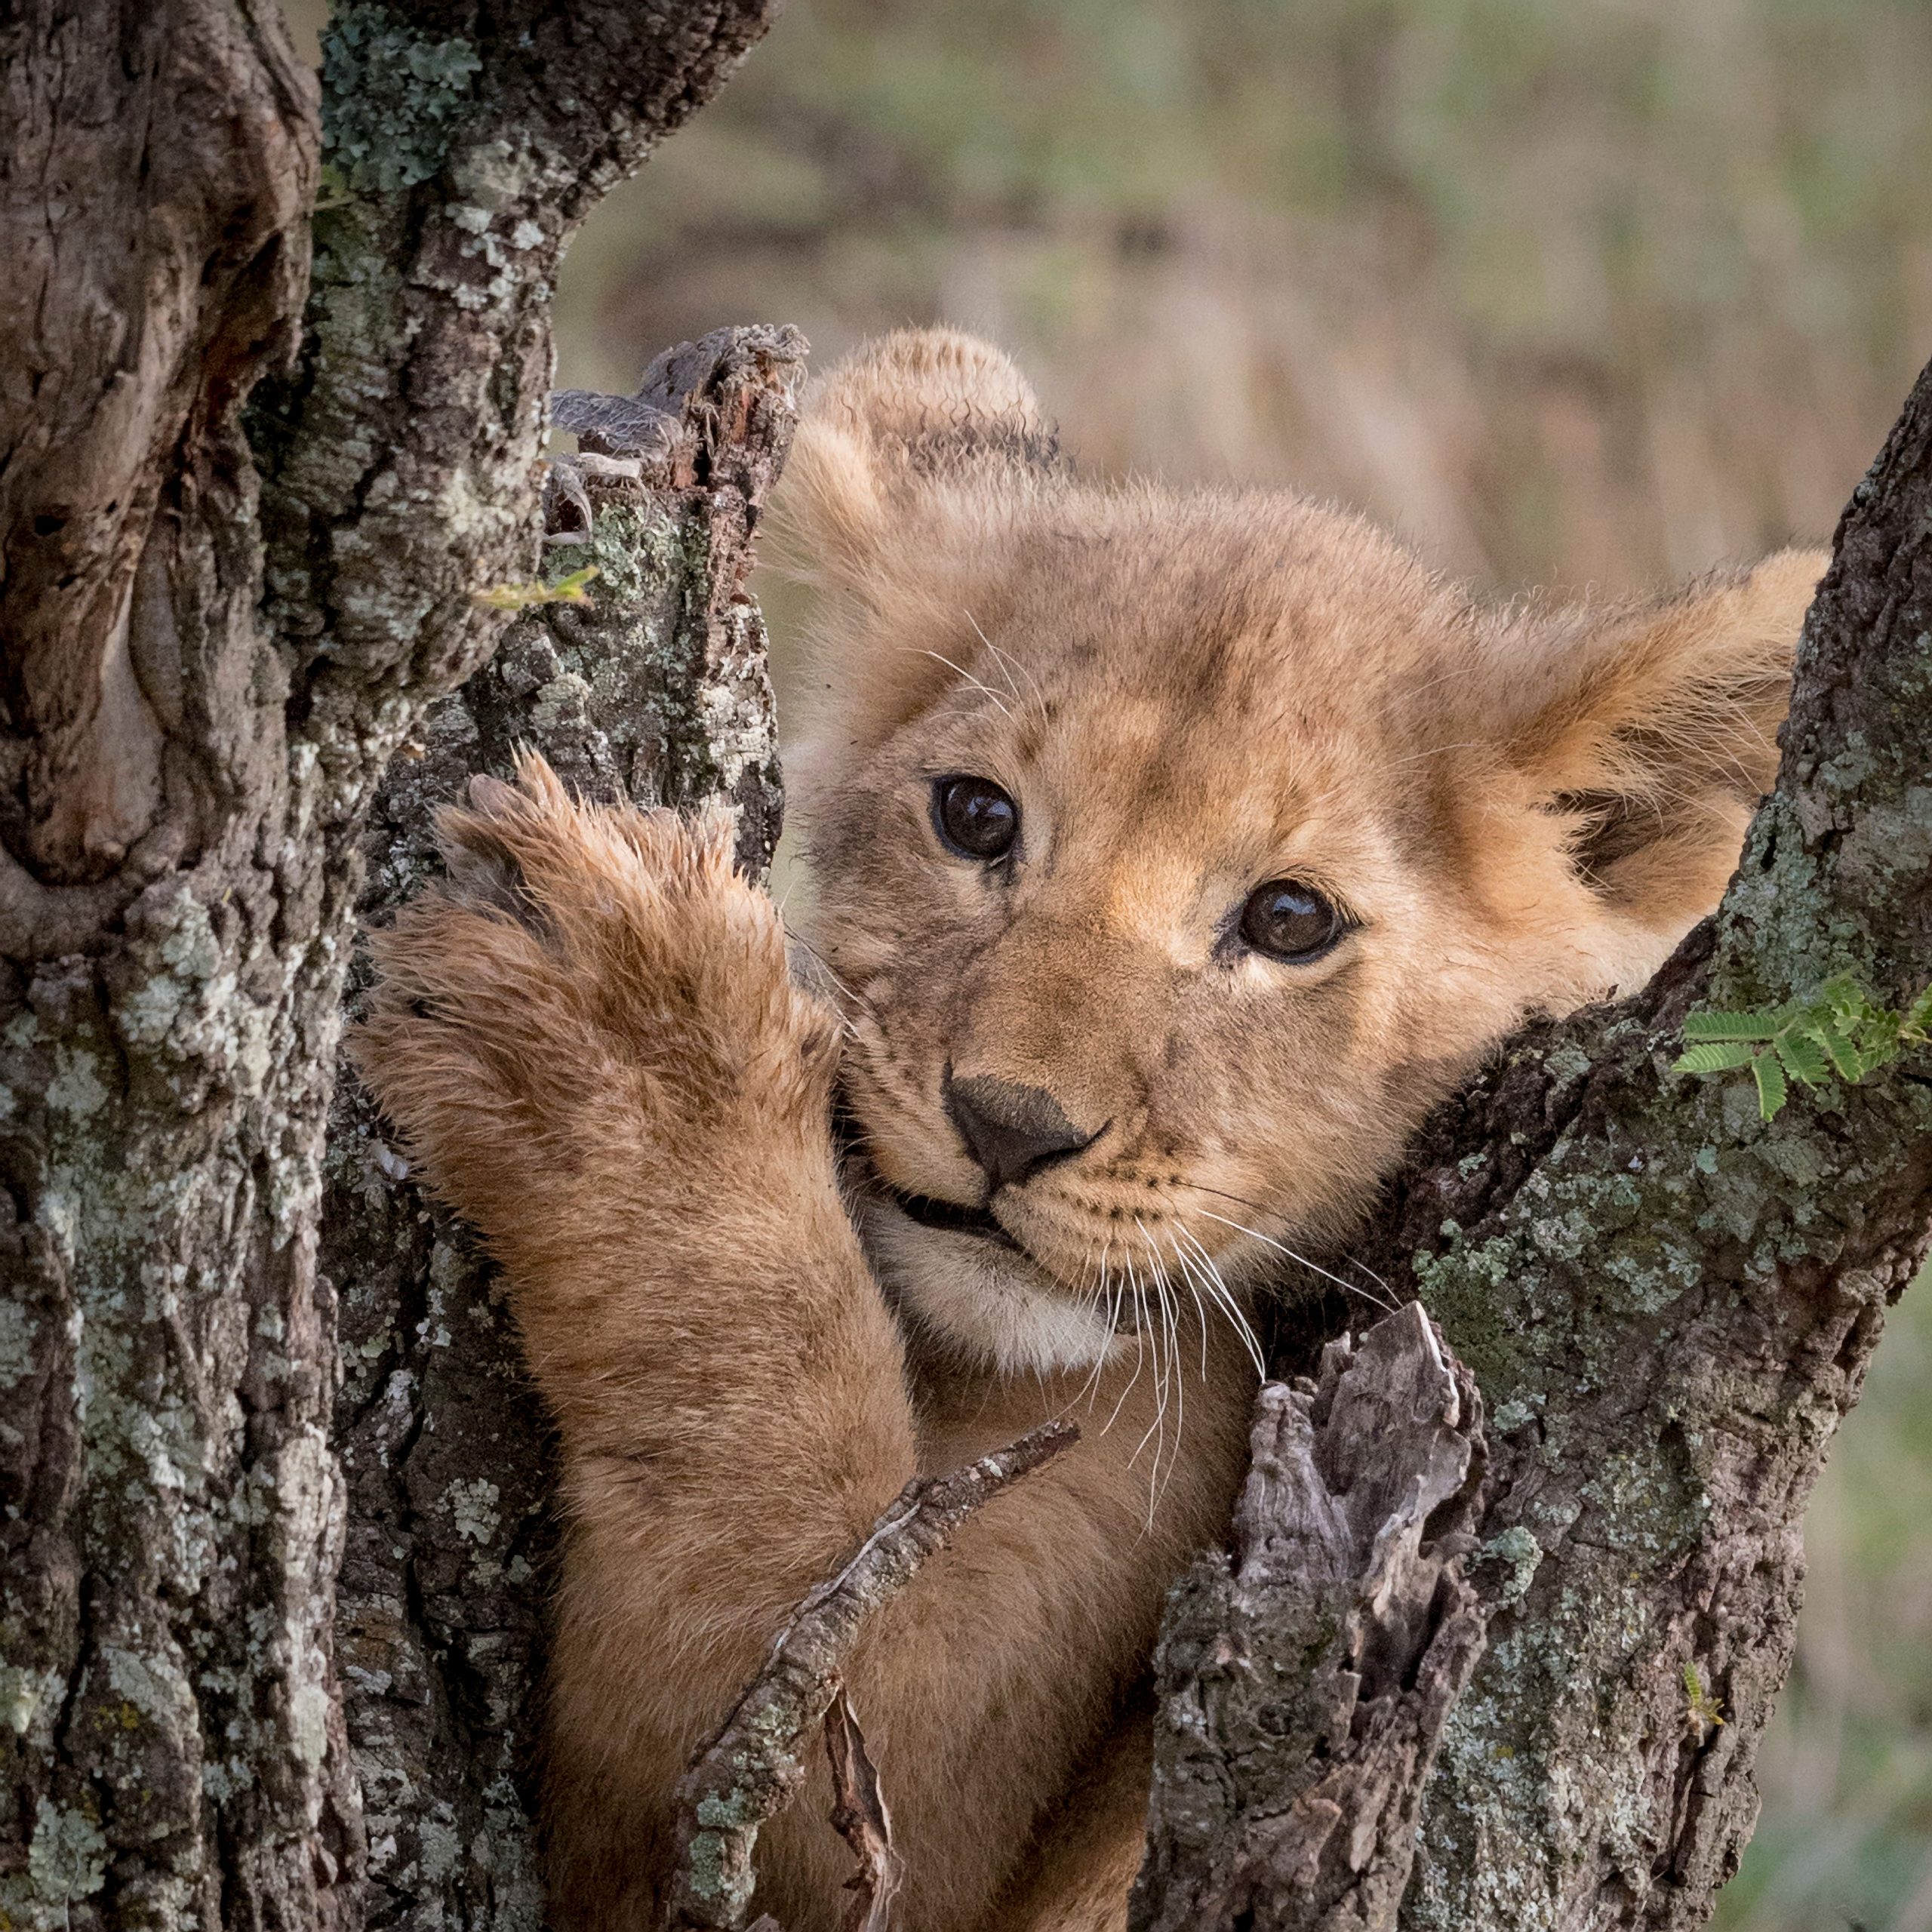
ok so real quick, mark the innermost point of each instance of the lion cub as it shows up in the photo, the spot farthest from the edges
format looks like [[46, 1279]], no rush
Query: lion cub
[[1176, 851]]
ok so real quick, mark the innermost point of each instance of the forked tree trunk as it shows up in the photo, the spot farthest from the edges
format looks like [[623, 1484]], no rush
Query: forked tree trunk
[[654, 691], [214, 642]]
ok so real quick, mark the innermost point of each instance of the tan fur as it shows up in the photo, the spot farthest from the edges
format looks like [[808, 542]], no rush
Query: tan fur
[[593, 1044]]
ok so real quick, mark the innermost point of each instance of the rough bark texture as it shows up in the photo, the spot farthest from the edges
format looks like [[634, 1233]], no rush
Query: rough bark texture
[[1669, 1304], [186, 766], [653, 692], [169, 1518], [1303, 1686]]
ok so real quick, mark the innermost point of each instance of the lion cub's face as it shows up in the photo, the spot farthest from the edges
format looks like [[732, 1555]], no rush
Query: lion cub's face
[[1175, 853]]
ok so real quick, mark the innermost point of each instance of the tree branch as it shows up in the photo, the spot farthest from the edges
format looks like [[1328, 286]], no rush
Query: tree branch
[[749, 1772], [402, 454], [654, 691], [1669, 1304]]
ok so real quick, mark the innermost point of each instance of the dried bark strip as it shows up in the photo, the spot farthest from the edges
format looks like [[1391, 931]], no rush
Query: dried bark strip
[[185, 768], [1669, 1305], [1303, 1687], [860, 1815], [655, 692], [749, 1772]]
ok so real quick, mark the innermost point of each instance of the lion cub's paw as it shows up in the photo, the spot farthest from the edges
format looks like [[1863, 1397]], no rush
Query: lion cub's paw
[[588, 983]]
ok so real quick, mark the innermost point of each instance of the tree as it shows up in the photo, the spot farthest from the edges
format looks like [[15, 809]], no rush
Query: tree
[[651, 689], [242, 540], [218, 627]]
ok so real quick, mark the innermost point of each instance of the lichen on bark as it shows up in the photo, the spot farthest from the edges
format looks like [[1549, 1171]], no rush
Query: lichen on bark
[[654, 692], [213, 642]]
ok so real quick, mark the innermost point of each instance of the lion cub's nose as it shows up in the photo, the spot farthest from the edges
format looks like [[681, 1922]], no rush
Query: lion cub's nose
[[1010, 1130]]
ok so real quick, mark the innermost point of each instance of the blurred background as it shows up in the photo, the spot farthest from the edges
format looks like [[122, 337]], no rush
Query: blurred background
[[1595, 293]]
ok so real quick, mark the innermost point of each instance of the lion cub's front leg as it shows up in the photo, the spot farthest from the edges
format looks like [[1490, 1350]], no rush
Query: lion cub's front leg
[[591, 1044]]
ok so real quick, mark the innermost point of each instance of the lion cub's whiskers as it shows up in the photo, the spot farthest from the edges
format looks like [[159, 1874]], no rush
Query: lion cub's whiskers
[[1313, 1267], [1157, 1430], [1008, 663], [987, 691], [1171, 1316], [1169, 1381], [1219, 1293], [1388, 1300]]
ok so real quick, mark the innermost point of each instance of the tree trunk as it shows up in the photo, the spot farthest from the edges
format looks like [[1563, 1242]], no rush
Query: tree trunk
[[1669, 1304], [655, 692], [213, 641]]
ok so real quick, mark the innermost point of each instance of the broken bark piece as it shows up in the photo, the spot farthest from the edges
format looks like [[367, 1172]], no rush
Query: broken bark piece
[[750, 1769], [859, 1816], [1319, 1665]]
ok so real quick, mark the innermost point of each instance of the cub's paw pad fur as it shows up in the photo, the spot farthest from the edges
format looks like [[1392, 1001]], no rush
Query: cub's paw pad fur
[[584, 973], [484, 872]]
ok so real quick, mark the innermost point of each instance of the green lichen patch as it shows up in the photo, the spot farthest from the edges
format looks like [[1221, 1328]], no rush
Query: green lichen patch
[[68, 1857], [392, 97]]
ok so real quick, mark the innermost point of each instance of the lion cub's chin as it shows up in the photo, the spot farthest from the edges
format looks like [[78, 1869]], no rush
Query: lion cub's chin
[[983, 1301]]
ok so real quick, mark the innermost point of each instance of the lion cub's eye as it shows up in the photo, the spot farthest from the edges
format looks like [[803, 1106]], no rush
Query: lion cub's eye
[[1289, 921], [975, 818]]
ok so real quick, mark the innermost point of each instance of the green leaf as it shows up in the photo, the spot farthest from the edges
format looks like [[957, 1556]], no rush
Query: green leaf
[[569, 589], [1703, 1026], [1843, 1055], [1841, 1029], [1715, 1057], [1844, 993], [1803, 1058], [1918, 1026], [1877, 1047]]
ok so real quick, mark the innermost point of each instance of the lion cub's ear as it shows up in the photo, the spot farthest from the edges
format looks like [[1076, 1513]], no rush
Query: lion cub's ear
[[1653, 728], [920, 407], [912, 459]]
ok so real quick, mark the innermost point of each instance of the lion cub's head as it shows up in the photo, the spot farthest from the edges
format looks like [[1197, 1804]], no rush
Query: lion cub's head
[[1176, 850]]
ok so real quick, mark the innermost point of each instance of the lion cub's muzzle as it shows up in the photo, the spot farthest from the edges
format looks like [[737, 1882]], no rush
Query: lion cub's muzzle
[[1011, 1131]]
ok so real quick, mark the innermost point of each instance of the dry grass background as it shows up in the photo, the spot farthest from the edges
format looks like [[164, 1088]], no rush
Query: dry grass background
[[1572, 291]]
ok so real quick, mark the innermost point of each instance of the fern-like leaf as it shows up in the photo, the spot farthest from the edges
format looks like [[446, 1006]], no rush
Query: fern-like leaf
[[1843, 1055], [1732, 1025], [1840, 1029], [1878, 1046], [1715, 1057], [1803, 1058], [1917, 1026]]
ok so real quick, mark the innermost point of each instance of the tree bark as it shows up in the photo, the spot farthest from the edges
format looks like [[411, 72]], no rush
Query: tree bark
[[213, 639], [1669, 1304], [1307, 1682], [653, 693]]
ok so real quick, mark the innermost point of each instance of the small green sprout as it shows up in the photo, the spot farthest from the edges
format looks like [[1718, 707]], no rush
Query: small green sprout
[[569, 590], [1703, 1713], [1842, 1030]]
